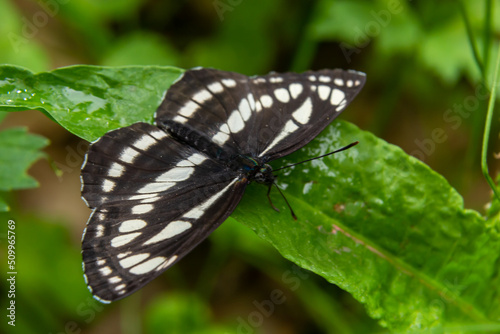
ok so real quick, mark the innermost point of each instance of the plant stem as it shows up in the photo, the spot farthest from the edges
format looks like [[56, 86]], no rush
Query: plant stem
[[488, 11], [472, 39], [487, 127]]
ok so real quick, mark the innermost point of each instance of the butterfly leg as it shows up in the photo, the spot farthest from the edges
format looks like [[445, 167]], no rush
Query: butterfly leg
[[269, 198], [286, 201]]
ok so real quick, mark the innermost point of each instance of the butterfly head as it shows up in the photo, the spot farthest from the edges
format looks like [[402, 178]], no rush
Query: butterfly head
[[264, 174]]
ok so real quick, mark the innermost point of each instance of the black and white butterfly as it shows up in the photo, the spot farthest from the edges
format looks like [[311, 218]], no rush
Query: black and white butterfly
[[159, 190]]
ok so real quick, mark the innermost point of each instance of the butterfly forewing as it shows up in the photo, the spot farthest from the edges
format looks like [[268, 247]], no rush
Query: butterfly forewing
[[153, 203], [159, 190], [262, 116]]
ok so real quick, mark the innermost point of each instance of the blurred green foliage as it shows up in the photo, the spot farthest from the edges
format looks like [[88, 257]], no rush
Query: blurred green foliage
[[421, 60], [19, 150]]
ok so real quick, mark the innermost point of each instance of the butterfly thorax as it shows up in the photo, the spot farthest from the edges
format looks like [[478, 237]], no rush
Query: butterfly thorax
[[254, 170]]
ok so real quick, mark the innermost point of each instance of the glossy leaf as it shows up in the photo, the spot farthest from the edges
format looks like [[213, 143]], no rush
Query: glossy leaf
[[88, 100], [386, 228]]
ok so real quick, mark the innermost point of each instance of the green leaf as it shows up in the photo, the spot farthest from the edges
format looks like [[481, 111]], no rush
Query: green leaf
[[88, 100], [386, 228], [18, 151]]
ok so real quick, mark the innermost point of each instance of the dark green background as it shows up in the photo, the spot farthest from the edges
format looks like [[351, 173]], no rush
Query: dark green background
[[424, 93]]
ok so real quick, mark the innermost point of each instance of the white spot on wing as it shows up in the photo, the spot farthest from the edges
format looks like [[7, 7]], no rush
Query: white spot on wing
[[235, 122], [158, 134], [229, 82], [220, 138], [188, 109], [184, 163], [155, 187], [295, 89], [108, 185], [258, 106], [324, 92], [216, 87], [197, 158], [324, 78], [282, 95], [131, 225], [180, 119], [338, 82], [136, 197], [124, 239], [105, 271], [199, 210], [151, 199], [133, 260], [167, 263], [341, 106], [115, 279], [171, 230], [144, 142], [266, 101], [128, 155], [116, 170], [122, 255], [337, 97], [289, 128], [244, 109], [100, 231], [251, 100], [141, 208], [303, 113], [202, 96], [176, 174], [224, 128], [147, 266]]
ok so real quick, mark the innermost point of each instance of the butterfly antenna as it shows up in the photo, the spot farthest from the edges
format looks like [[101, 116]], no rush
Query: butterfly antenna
[[321, 156], [297, 163], [282, 195]]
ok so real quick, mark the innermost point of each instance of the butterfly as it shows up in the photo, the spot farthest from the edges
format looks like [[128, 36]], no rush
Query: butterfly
[[158, 190]]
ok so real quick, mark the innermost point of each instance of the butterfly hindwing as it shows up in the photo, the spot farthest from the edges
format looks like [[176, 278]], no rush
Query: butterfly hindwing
[[262, 116], [153, 202]]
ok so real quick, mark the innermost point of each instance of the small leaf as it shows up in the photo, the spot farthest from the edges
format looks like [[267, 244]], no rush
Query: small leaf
[[88, 100], [18, 151]]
